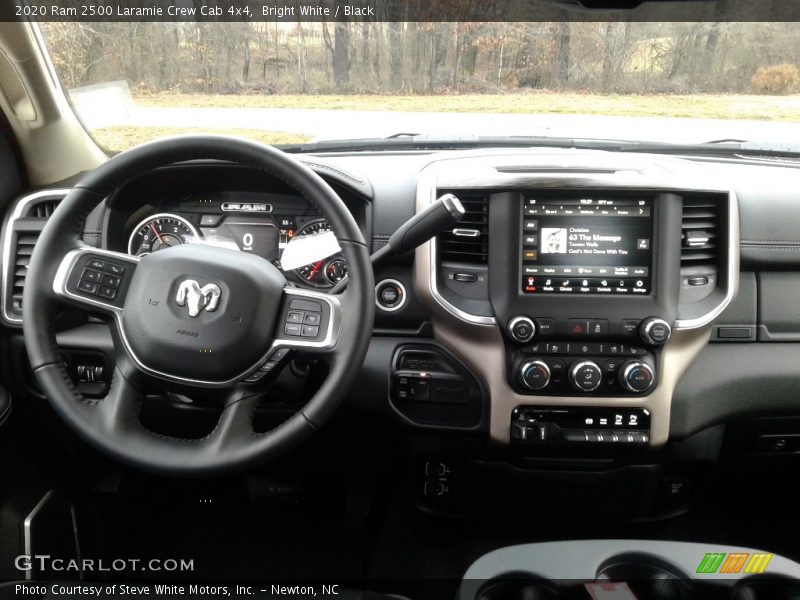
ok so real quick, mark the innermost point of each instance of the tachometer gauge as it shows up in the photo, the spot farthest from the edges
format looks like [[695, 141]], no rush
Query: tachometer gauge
[[160, 231], [320, 273]]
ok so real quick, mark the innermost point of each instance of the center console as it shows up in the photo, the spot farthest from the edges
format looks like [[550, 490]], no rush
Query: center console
[[578, 294], [586, 309], [630, 570]]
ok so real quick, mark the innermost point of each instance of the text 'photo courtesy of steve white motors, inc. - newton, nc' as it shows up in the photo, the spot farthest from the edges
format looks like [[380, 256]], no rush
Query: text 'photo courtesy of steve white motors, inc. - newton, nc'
[[240, 10], [170, 591]]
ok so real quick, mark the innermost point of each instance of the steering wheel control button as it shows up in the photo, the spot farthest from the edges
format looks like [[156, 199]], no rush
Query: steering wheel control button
[[521, 329], [636, 376], [88, 278], [311, 318], [303, 323], [535, 375], [655, 331], [114, 269], [107, 292], [111, 281], [390, 295], [295, 317], [305, 305], [88, 287], [585, 376], [293, 329], [92, 276]]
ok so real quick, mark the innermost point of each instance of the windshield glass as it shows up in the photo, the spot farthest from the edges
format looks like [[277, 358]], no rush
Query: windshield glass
[[290, 82]]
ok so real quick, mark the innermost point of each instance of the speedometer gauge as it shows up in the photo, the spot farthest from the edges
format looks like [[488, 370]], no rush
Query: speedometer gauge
[[160, 231]]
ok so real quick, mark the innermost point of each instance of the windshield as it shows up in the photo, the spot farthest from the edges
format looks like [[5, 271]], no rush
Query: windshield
[[290, 82]]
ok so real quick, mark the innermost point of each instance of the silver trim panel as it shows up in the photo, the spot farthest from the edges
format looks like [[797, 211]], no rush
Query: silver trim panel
[[20, 209], [732, 272], [481, 346]]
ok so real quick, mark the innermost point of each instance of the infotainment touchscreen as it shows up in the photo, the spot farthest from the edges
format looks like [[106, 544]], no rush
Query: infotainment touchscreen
[[593, 244]]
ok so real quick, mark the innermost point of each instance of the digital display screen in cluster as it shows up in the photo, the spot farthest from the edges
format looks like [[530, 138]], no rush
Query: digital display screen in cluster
[[586, 245]]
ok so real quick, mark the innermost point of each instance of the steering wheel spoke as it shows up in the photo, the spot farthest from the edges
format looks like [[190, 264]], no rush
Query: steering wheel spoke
[[95, 280], [119, 410]]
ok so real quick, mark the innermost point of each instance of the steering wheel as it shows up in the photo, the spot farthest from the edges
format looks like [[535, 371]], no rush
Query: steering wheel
[[194, 316]]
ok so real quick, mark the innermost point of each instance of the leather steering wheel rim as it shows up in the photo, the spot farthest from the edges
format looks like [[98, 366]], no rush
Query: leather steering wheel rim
[[112, 425]]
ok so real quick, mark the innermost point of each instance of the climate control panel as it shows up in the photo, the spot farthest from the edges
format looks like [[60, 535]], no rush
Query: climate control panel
[[576, 368]]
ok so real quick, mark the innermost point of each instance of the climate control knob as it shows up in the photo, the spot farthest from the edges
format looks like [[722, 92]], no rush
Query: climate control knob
[[636, 376], [522, 329], [585, 376], [655, 331], [534, 375]]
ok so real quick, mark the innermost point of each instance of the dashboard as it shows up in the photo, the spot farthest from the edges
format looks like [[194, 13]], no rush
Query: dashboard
[[578, 305]]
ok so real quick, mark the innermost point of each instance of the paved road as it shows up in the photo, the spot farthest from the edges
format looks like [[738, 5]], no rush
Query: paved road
[[338, 124]]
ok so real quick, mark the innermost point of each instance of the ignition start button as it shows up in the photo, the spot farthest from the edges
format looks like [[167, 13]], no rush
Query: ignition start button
[[390, 295]]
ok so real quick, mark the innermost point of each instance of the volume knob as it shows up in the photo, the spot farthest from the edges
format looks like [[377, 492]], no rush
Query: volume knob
[[522, 329]]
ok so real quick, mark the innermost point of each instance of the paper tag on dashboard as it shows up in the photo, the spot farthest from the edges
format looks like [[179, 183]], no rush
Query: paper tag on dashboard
[[308, 249]]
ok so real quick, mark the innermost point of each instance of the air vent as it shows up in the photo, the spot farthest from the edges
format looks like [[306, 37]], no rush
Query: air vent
[[700, 232], [22, 233], [468, 240], [43, 209]]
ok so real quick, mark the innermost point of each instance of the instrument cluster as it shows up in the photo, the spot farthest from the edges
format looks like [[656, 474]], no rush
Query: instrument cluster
[[262, 228]]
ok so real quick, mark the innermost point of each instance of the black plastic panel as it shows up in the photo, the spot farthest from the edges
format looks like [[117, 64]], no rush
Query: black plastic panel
[[429, 387], [779, 317], [735, 381]]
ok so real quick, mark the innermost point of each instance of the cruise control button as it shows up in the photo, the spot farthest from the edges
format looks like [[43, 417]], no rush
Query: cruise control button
[[96, 264], [294, 317], [88, 287], [292, 329], [310, 331], [91, 275], [312, 319]]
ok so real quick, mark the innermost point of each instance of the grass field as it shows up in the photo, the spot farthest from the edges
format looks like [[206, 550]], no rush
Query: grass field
[[117, 139], [768, 108]]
